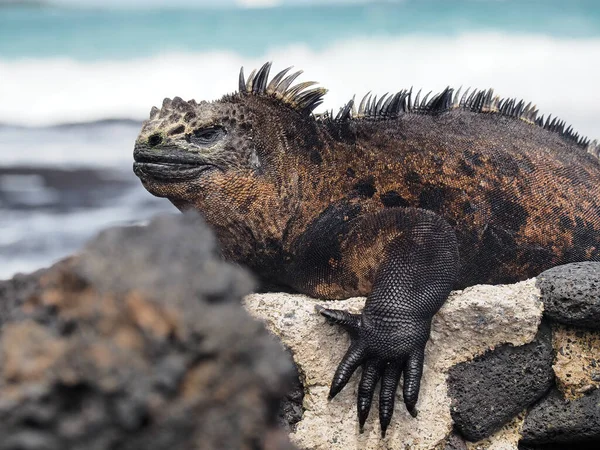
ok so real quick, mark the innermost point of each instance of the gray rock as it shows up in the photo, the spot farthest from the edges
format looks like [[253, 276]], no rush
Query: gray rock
[[138, 342], [554, 422], [492, 389], [507, 438], [571, 294], [455, 442], [14, 292]]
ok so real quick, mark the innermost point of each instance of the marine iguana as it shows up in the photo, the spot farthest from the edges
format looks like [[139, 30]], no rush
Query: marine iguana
[[401, 201]]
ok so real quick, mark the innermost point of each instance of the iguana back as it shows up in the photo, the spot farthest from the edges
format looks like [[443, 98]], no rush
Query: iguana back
[[521, 198]]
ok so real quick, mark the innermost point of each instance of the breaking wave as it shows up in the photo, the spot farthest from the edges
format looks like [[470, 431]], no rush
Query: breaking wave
[[558, 74]]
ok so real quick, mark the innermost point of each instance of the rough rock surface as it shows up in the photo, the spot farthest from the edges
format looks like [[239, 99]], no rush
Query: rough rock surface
[[507, 438], [454, 442], [493, 388], [139, 342], [471, 322], [576, 361], [290, 410], [590, 445], [557, 421], [571, 294]]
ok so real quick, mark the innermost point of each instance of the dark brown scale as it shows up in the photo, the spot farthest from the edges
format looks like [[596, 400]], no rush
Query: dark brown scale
[[503, 207]]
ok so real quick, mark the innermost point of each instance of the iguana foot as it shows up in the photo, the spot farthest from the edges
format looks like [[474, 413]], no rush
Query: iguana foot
[[384, 354]]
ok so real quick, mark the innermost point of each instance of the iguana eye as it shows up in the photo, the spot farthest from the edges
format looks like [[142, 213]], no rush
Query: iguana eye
[[207, 136]]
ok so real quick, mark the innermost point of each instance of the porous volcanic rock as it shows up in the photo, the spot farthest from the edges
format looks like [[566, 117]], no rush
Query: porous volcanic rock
[[507, 438], [471, 322], [492, 389], [571, 294], [555, 422], [139, 342]]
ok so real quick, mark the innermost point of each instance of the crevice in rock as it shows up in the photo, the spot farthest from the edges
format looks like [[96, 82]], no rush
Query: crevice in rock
[[290, 408]]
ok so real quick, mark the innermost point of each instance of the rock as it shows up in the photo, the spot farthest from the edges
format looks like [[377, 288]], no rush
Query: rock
[[14, 292], [592, 445], [290, 411], [479, 318], [471, 322], [139, 342], [492, 389], [507, 438], [571, 294], [555, 421], [454, 442], [576, 361]]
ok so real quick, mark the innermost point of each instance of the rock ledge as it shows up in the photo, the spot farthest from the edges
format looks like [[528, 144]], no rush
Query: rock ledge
[[470, 323]]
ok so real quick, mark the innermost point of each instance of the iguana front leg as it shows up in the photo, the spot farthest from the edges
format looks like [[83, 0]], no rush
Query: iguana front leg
[[406, 260]]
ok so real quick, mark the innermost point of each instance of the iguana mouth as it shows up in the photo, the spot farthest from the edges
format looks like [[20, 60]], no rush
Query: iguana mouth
[[169, 172], [169, 166]]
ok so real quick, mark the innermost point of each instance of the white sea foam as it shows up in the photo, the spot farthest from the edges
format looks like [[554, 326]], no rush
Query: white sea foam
[[559, 75]]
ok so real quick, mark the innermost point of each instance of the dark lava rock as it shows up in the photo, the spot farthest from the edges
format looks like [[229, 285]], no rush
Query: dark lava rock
[[571, 294], [138, 342], [291, 410], [591, 445], [455, 442], [554, 422], [14, 293], [489, 391]]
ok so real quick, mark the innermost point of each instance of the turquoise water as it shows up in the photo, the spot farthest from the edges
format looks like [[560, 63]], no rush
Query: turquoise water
[[91, 34]]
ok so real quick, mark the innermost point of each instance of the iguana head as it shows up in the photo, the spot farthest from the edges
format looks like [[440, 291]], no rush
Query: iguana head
[[229, 157]]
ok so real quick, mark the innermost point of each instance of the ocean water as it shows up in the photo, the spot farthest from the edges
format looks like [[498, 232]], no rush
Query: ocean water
[[75, 83]]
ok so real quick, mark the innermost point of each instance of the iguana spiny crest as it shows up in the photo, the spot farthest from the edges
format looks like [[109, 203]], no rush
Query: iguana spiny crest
[[179, 118]]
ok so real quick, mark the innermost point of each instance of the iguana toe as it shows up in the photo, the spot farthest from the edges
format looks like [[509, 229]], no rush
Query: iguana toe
[[350, 322], [366, 389], [413, 371], [353, 358], [387, 394]]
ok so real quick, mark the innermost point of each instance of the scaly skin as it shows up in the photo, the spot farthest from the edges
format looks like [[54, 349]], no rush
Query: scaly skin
[[400, 202]]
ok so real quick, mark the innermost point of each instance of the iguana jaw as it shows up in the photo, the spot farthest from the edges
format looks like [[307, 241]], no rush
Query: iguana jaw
[[167, 172], [169, 166]]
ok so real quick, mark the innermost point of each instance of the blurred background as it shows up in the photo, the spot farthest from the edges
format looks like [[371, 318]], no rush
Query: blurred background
[[77, 77]]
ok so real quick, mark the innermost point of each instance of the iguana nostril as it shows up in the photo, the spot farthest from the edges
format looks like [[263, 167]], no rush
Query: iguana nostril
[[154, 140]]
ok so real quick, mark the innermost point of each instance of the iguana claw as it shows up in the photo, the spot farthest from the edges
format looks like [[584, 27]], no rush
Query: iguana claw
[[379, 362]]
